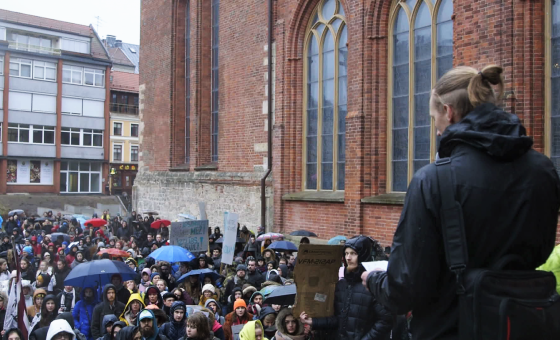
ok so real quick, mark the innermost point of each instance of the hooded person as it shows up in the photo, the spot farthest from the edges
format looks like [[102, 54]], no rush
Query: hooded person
[[83, 311], [357, 314], [129, 333], [268, 320], [123, 294], [289, 326], [133, 308], [12, 333], [239, 316], [60, 326], [145, 280], [35, 309], [151, 299], [27, 292], [108, 322], [175, 328], [109, 305], [215, 307], [68, 317], [117, 327], [49, 311], [256, 304], [80, 258], [149, 327], [251, 330], [284, 271], [237, 293]]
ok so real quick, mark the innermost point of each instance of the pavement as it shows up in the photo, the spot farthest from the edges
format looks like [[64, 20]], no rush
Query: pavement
[[30, 202]]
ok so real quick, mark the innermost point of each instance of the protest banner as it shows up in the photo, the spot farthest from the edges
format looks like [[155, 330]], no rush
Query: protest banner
[[316, 275], [191, 235], [230, 236], [202, 209]]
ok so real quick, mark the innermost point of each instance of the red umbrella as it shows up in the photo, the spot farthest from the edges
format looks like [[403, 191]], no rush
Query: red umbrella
[[96, 222], [113, 252], [160, 223]]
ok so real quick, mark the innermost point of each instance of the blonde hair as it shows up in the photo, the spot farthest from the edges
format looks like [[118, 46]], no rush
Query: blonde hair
[[464, 88]]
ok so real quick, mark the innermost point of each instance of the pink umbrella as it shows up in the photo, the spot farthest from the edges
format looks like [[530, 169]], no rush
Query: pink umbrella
[[270, 236]]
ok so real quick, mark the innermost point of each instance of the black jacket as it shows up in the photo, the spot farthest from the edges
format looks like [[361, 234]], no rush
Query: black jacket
[[510, 196], [357, 315], [255, 278], [102, 309]]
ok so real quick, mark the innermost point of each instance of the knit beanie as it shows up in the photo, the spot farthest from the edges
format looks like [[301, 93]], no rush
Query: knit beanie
[[239, 303], [28, 250], [209, 287], [241, 267]]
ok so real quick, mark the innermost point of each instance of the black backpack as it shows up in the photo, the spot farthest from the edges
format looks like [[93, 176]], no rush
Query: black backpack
[[494, 303]]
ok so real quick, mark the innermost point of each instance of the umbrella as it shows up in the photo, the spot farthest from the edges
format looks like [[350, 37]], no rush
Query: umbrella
[[114, 252], [336, 240], [96, 222], [98, 273], [239, 240], [54, 236], [43, 219], [151, 212], [283, 246], [172, 254], [267, 290], [271, 236], [15, 211], [160, 223], [202, 272], [303, 233], [283, 295]]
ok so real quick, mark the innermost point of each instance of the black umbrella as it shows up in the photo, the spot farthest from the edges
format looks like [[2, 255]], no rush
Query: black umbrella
[[239, 240], [16, 211], [303, 233], [43, 219], [54, 236], [284, 295]]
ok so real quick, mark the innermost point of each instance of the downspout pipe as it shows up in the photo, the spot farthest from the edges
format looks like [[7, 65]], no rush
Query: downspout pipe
[[269, 149]]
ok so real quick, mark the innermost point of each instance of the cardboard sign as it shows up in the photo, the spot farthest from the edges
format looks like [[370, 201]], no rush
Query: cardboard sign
[[230, 236], [191, 235], [316, 275]]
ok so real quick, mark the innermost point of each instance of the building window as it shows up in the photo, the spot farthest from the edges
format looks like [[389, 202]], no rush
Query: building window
[[43, 134], [1, 64], [20, 67], [553, 86], [326, 57], [215, 77], [81, 137], [134, 130], [413, 75], [44, 70], [117, 153], [134, 153], [81, 177], [188, 84], [117, 129], [31, 43], [72, 74], [34, 134], [93, 77]]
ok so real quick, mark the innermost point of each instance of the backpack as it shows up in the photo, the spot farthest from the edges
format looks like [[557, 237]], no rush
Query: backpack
[[494, 303]]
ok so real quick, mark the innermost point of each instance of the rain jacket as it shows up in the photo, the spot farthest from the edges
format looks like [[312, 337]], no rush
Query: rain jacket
[[58, 326], [126, 333], [83, 313], [126, 317], [282, 332], [553, 265], [106, 319], [174, 329], [157, 333], [31, 310], [104, 308], [510, 196], [248, 332], [70, 319]]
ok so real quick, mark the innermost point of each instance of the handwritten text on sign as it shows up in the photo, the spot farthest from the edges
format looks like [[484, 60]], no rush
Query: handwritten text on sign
[[191, 235]]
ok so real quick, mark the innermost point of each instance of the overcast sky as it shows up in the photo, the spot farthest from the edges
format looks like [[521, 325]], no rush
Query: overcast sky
[[116, 17]]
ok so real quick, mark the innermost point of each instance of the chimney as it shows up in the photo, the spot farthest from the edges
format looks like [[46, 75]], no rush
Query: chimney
[[111, 40], [118, 43]]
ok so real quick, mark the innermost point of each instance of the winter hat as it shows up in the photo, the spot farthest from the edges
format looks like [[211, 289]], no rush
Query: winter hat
[[151, 289], [28, 250], [131, 260], [65, 243], [146, 314], [241, 267], [239, 303], [131, 252], [362, 245], [209, 287], [154, 274], [101, 245]]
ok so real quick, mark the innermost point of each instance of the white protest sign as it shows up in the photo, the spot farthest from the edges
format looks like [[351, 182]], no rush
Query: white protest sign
[[202, 208], [230, 236], [376, 265], [191, 235]]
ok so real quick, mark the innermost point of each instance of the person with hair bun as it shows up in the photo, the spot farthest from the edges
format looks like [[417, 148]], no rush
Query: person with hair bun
[[508, 192]]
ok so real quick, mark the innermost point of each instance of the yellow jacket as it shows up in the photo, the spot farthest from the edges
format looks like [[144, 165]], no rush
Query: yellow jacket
[[126, 318]]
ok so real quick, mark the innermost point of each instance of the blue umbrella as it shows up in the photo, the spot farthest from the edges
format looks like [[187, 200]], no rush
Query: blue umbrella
[[336, 240], [98, 273], [202, 272], [172, 254], [283, 246]]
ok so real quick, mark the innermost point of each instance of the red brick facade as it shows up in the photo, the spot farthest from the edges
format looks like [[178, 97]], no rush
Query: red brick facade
[[510, 33]]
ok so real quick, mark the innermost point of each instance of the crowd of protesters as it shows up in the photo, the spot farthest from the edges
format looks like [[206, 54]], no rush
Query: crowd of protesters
[[155, 305]]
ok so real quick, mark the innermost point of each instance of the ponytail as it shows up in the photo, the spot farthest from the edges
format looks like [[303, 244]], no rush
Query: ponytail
[[464, 88]]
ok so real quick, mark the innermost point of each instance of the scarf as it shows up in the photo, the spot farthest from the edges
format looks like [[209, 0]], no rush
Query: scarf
[[65, 295], [130, 319]]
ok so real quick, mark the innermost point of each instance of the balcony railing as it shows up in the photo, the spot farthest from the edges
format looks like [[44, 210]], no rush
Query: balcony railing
[[124, 108], [33, 48]]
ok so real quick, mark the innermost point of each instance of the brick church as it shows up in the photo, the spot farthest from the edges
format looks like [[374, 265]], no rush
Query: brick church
[[342, 87]]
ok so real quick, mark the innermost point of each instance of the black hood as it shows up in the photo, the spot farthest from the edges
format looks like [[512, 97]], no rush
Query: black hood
[[363, 245], [126, 333], [489, 129]]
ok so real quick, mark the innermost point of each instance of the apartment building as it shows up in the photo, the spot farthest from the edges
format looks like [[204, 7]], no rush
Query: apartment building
[[55, 103]]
